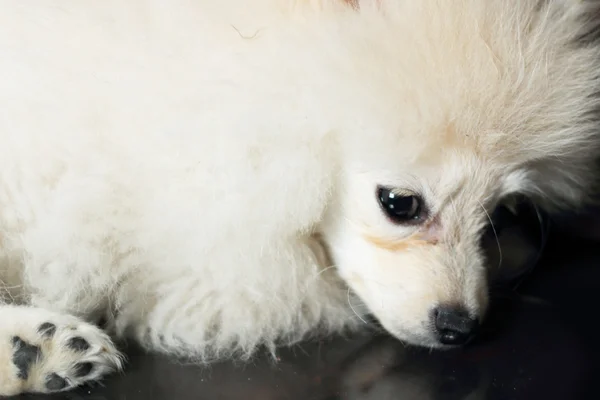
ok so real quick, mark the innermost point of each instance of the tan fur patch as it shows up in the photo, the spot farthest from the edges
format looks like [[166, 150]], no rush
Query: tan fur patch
[[398, 245]]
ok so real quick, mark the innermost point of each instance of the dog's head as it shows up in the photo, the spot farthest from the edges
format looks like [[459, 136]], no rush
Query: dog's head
[[455, 108]]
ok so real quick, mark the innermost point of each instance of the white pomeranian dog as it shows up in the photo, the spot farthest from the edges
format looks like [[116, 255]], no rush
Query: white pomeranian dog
[[212, 177]]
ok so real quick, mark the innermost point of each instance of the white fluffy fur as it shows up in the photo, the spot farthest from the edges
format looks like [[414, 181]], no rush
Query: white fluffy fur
[[191, 168]]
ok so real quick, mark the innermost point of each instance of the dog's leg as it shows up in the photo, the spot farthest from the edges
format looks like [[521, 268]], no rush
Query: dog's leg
[[43, 351], [278, 297]]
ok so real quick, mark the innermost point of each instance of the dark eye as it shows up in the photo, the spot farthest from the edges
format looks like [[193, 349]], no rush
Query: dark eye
[[400, 207]]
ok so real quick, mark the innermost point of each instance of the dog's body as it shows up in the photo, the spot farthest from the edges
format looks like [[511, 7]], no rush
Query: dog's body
[[191, 169]]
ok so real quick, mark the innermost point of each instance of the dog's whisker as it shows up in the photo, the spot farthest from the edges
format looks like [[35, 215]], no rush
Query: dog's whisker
[[495, 233], [383, 285], [313, 279], [315, 276], [352, 307], [453, 205]]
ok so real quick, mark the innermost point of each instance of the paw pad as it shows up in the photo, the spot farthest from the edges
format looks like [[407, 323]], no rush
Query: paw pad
[[83, 369], [47, 329], [55, 383], [78, 343], [24, 356]]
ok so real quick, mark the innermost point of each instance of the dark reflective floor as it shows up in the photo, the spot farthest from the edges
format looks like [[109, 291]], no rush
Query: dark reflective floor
[[540, 344]]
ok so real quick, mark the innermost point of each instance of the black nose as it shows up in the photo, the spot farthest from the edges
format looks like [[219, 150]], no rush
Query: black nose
[[453, 325]]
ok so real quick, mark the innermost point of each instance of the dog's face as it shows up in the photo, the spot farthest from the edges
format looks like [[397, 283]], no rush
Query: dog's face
[[407, 242], [457, 126]]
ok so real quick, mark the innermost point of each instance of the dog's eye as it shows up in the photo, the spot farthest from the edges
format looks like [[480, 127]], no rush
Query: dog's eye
[[400, 207]]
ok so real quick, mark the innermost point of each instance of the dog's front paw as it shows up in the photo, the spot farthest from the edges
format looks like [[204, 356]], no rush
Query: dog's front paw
[[53, 354]]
